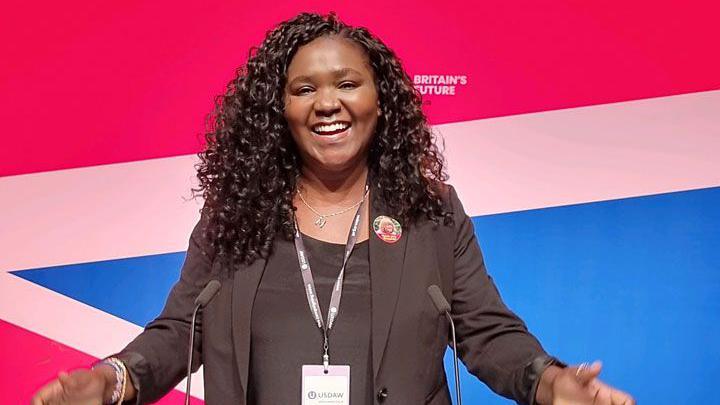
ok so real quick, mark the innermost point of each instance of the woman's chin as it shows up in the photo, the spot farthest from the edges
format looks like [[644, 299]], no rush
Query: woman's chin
[[339, 164]]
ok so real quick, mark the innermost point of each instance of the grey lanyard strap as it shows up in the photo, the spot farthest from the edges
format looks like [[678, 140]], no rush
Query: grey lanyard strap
[[309, 283]]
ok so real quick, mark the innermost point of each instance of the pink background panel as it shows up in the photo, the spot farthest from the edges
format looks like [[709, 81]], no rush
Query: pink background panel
[[83, 84]]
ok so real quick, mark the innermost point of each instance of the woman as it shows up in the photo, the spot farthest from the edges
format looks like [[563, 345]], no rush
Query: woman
[[321, 160]]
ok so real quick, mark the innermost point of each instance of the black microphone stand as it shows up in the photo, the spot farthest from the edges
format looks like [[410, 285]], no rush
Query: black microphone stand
[[208, 293], [443, 307], [455, 359]]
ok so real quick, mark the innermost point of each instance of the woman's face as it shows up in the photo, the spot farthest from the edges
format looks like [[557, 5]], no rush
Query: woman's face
[[388, 227], [331, 103]]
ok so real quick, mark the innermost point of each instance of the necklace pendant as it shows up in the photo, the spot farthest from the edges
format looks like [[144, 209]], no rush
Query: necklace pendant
[[320, 222]]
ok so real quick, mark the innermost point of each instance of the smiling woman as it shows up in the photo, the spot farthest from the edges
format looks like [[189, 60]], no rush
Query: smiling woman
[[320, 107], [331, 104], [318, 137]]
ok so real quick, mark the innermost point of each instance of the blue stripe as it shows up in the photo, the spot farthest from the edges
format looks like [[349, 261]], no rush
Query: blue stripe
[[134, 289]]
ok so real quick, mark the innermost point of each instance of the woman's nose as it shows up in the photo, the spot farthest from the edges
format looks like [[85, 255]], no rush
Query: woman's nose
[[327, 103]]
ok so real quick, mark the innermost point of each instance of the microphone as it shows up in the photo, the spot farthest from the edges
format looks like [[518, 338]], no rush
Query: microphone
[[207, 294], [443, 307]]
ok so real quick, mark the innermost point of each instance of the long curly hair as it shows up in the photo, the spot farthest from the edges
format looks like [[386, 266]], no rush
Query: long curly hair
[[250, 168]]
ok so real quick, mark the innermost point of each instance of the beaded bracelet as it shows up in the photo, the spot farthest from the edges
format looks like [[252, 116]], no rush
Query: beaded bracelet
[[118, 394]]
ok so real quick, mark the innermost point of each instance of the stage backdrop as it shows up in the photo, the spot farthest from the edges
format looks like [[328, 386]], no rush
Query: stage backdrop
[[583, 138]]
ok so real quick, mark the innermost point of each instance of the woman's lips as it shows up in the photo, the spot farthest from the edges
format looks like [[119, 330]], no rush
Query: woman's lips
[[330, 128], [330, 133], [334, 136]]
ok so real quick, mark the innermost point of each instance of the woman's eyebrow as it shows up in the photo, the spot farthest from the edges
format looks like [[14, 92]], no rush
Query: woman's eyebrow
[[336, 73], [344, 72]]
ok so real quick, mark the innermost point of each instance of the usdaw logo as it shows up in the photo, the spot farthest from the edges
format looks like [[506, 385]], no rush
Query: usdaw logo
[[439, 85]]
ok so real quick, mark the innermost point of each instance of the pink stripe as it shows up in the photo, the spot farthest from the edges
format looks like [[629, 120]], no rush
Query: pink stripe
[[30, 361], [585, 154], [128, 81]]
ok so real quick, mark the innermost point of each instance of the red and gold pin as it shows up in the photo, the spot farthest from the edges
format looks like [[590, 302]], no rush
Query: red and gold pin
[[387, 229]]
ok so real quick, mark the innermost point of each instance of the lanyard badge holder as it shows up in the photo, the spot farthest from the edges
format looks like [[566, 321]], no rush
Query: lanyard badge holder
[[326, 384]]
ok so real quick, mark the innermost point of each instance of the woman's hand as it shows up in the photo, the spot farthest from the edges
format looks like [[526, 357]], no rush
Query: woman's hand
[[81, 387], [580, 386]]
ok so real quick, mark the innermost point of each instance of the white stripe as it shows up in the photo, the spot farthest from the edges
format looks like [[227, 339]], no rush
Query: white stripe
[[97, 213], [586, 154]]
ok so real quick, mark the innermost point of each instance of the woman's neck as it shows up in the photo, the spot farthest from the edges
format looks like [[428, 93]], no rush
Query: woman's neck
[[332, 187]]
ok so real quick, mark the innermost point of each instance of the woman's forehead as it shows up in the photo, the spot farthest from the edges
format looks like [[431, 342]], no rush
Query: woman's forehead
[[329, 55]]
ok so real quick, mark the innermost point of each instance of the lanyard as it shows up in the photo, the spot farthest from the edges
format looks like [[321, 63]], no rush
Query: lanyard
[[309, 283]]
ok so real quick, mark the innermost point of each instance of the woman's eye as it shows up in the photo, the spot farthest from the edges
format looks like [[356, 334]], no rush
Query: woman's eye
[[304, 90], [347, 85]]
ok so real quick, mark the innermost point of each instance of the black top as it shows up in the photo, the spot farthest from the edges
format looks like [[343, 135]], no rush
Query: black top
[[284, 335]]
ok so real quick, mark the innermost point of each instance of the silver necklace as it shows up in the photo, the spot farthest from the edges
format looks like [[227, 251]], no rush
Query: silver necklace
[[322, 218]]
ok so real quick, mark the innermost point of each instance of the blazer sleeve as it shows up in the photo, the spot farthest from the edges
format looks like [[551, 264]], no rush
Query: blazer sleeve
[[157, 358], [493, 342]]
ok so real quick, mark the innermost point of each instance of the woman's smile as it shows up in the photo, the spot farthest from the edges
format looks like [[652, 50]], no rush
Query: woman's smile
[[333, 132], [330, 128]]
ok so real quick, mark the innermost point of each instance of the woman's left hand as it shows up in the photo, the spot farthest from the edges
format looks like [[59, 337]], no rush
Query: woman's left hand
[[580, 386]]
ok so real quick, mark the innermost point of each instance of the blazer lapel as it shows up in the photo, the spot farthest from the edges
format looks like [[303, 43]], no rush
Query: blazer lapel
[[245, 285], [386, 267]]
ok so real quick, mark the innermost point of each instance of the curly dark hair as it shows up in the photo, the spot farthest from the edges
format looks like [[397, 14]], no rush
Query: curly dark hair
[[250, 168]]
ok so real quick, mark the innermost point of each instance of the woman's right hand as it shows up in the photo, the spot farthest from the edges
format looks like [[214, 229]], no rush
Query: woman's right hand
[[81, 387]]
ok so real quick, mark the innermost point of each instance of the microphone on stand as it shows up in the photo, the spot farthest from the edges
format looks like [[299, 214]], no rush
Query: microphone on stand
[[443, 307], [208, 293]]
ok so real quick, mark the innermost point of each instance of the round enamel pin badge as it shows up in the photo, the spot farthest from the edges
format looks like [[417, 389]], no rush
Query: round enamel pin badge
[[387, 229]]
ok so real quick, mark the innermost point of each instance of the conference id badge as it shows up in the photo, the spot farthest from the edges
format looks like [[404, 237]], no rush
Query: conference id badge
[[320, 388]]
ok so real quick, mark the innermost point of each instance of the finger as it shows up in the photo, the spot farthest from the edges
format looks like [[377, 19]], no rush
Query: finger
[[71, 384], [617, 396], [66, 381], [48, 394], [603, 397], [585, 374], [40, 397], [621, 398]]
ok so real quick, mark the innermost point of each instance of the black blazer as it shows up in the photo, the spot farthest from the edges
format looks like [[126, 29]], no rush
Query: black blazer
[[409, 338]]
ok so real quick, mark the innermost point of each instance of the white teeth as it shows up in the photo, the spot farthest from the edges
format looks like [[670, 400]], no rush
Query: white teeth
[[338, 126]]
